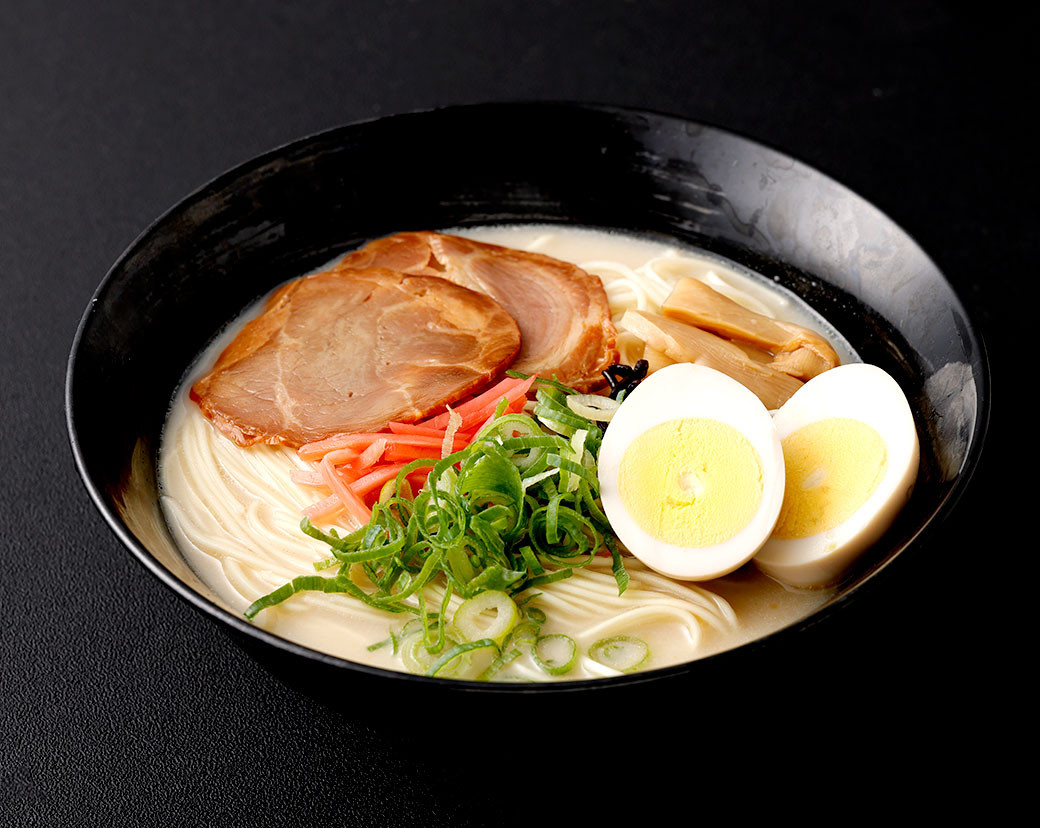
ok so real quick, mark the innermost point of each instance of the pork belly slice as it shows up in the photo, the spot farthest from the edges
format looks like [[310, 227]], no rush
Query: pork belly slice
[[562, 311], [348, 352]]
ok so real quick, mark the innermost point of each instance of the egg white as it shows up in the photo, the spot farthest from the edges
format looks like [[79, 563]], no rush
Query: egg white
[[870, 395], [681, 391]]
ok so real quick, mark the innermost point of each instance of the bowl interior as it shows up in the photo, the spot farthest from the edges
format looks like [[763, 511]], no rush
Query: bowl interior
[[293, 209]]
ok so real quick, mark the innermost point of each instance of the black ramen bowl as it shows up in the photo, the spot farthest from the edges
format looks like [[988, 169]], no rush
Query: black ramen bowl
[[293, 209]]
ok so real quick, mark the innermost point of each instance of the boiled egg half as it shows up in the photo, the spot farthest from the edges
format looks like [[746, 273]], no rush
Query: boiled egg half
[[851, 457], [691, 473]]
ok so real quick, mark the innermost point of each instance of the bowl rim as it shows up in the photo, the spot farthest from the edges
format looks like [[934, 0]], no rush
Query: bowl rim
[[259, 635]]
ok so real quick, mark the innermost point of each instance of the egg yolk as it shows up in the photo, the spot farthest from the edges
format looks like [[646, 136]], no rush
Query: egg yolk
[[833, 466], [692, 482]]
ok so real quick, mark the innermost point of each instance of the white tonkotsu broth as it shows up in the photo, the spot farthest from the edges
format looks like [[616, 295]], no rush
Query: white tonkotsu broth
[[236, 513]]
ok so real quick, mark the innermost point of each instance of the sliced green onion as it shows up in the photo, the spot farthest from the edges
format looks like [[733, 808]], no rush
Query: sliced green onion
[[392, 491], [563, 420], [451, 662], [491, 614], [542, 580], [435, 645], [503, 660], [534, 566], [552, 383], [618, 564], [538, 478], [418, 658], [621, 652], [523, 636], [536, 614], [515, 509], [568, 465], [306, 583], [593, 407], [556, 654]]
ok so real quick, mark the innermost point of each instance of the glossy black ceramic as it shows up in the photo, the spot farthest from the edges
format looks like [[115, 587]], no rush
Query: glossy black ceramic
[[293, 209]]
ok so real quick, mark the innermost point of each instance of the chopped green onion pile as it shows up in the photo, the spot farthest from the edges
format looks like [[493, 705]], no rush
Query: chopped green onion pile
[[515, 509]]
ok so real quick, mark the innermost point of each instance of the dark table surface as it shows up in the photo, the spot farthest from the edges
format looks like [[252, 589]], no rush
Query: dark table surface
[[118, 705]]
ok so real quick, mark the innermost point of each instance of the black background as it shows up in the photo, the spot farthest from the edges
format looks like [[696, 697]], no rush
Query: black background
[[118, 705]]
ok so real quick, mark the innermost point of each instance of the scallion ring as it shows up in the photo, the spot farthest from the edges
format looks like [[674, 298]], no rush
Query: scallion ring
[[450, 663], [593, 407], [556, 654], [418, 659], [490, 614], [621, 652], [523, 636]]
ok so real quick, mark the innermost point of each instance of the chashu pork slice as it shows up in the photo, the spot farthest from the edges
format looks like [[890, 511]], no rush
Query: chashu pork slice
[[562, 311], [343, 352]]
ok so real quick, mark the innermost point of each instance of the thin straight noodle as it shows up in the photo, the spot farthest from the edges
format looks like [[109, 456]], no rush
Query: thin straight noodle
[[539, 242], [657, 287], [217, 537], [703, 599], [719, 605], [653, 582], [214, 476], [582, 596], [240, 579], [255, 524], [619, 292], [645, 596], [270, 465], [639, 615], [598, 267], [650, 287], [262, 496], [619, 280], [599, 603], [552, 596], [342, 605], [191, 527], [212, 486], [597, 668]]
